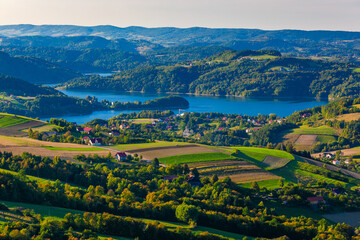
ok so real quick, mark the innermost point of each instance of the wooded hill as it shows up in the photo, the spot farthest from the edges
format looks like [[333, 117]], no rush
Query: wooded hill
[[34, 70], [294, 42], [240, 73]]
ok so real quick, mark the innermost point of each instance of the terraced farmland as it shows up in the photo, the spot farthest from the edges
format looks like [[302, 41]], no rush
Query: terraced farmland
[[239, 171]]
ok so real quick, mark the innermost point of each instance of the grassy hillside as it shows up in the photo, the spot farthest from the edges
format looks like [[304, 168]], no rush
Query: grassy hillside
[[11, 120]]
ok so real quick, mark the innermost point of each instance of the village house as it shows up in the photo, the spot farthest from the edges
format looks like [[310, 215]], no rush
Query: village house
[[336, 162], [120, 156], [347, 161], [95, 142], [187, 132], [87, 130]]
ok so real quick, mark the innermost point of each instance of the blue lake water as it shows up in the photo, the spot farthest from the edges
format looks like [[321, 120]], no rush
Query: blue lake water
[[238, 105]]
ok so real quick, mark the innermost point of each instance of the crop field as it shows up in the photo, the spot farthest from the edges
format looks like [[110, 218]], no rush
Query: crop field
[[191, 158], [248, 177], [305, 142], [10, 125], [322, 130], [271, 162], [90, 149], [210, 164], [124, 147], [7, 216], [8, 121], [66, 151], [173, 151]]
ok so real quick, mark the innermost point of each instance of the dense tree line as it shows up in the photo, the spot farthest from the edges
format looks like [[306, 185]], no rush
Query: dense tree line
[[238, 73], [140, 191]]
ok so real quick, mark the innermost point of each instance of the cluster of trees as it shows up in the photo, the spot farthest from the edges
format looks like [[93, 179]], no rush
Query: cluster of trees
[[59, 104], [140, 191], [250, 74]]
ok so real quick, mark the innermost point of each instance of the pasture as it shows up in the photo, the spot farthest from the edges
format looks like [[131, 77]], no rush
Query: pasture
[[264, 157], [268, 184]]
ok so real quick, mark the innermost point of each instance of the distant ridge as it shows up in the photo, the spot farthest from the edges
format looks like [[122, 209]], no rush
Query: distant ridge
[[174, 36]]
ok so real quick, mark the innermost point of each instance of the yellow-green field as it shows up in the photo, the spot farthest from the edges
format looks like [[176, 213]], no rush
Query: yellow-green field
[[322, 130]]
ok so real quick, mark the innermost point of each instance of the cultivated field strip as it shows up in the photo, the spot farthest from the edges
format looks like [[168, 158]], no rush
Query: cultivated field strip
[[228, 162], [161, 152], [239, 171], [11, 217], [247, 177], [272, 162]]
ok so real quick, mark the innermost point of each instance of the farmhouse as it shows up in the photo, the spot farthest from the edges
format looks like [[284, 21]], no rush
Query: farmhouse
[[336, 162], [120, 156], [328, 155], [87, 129], [95, 142], [187, 132]]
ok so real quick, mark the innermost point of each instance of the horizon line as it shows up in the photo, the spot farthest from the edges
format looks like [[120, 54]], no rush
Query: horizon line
[[227, 28]]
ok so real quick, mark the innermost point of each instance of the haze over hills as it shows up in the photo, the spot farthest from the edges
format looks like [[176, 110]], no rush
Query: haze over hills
[[172, 35], [291, 42]]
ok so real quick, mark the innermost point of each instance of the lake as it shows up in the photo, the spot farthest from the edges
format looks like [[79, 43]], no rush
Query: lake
[[224, 104]]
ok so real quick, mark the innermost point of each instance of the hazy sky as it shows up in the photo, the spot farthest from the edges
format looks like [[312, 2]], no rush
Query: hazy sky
[[263, 14]]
